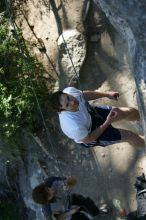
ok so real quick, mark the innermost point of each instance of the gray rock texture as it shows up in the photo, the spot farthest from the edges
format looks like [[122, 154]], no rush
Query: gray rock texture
[[103, 174], [129, 19], [72, 52]]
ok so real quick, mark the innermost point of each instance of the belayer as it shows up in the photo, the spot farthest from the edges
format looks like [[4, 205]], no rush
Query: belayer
[[59, 203]]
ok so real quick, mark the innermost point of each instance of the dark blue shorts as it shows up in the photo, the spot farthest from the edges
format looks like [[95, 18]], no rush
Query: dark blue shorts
[[110, 136]]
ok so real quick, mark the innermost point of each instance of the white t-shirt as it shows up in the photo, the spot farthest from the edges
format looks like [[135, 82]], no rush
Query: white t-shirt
[[76, 125]]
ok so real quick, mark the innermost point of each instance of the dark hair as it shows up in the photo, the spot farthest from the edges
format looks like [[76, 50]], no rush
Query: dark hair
[[40, 194], [55, 101]]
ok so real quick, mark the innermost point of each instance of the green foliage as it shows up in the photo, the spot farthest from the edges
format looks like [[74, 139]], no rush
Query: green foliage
[[20, 77]]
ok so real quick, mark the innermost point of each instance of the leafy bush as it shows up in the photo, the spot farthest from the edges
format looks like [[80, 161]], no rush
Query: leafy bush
[[20, 77]]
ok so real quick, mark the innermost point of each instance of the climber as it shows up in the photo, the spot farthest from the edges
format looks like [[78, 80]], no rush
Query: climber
[[90, 129]]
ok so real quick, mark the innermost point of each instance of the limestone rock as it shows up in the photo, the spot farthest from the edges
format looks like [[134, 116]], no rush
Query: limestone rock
[[129, 19], [72, 52]]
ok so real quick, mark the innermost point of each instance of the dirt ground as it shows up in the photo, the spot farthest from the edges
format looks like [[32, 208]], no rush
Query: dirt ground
[[103, 173]]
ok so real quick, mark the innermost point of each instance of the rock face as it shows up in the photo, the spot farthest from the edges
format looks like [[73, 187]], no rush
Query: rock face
[[72, 51], [129, 19]]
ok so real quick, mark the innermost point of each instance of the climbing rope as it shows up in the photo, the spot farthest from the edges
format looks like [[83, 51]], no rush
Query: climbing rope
[[90, 108]]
